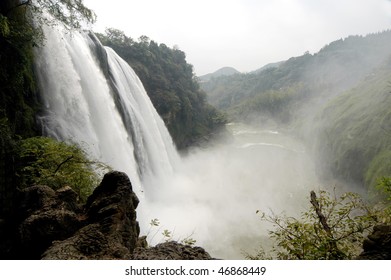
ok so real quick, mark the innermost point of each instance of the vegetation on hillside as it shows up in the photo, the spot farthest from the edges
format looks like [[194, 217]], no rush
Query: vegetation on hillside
[[170, 83], [355, 133]]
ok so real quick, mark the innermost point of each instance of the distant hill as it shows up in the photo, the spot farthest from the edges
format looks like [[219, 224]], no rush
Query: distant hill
[[267, 66], [225, 71]]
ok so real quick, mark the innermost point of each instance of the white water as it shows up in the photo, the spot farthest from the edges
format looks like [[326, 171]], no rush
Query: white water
[[211, 194], [216, 192], [80, 108]]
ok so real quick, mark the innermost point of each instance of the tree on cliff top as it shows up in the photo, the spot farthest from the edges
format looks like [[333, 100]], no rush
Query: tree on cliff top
[[72, 13]]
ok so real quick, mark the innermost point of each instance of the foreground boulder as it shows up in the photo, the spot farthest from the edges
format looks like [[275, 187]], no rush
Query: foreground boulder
[[111, 230]]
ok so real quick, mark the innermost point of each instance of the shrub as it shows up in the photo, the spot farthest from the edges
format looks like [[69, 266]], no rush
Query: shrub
[[56, 164]]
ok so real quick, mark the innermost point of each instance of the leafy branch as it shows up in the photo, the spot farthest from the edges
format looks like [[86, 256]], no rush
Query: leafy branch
[[333, 228]]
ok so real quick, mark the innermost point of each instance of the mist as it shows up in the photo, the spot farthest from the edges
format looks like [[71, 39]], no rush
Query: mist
[[215, 193]]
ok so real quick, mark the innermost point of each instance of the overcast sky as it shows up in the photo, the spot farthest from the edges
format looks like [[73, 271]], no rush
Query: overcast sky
[[244, 34]]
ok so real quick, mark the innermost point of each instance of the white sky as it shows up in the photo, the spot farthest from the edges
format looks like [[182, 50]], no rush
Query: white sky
[[244, 34]]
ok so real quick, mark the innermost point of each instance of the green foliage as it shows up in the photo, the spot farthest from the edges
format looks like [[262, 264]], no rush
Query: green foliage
[[383, 186], [379, 166], [72, 13], [171, 85], [4, 26], [338, 235], [56, 164], [188, 241]]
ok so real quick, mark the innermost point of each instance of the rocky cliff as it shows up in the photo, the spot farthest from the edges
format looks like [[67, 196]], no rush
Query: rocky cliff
[[53, 225]]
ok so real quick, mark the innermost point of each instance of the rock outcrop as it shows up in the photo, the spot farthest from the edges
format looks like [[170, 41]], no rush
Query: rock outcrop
[[54, 225], [171, 251], [378, 245], [111, 230]]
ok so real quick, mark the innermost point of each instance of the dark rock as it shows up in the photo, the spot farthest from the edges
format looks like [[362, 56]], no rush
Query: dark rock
[[171, 251], [88, 243], [35, 198], [46, 216], [112, 231], [378, 245]]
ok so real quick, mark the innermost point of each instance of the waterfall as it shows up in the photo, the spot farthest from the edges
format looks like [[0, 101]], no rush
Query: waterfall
[[105, 110], [93, 98]]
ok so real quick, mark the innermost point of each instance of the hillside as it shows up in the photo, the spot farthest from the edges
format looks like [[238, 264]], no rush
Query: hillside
[[354, 130], [225, 71], [267, 66]]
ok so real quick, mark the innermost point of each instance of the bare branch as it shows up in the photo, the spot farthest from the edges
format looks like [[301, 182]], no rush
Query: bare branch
[[62, 163], [322, 218]]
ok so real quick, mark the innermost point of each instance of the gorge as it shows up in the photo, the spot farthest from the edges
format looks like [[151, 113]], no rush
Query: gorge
[[206, 194]]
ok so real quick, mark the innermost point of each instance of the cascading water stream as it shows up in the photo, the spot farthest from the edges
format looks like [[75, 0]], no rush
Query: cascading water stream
[[80, 107], [154, 151]]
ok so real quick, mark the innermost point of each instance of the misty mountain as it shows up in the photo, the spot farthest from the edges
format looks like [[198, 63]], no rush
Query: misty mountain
[[225, 71], [278, 92]]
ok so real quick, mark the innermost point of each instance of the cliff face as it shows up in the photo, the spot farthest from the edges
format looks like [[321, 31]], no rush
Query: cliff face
[[53, 225]]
